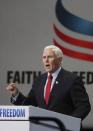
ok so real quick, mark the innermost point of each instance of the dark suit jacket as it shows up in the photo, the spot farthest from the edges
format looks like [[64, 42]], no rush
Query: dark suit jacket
[[68, 95]]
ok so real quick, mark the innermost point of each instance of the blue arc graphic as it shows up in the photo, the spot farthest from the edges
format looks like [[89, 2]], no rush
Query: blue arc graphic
[[73, 22]]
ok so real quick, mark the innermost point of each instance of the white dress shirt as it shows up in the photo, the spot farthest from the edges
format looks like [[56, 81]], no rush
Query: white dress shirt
[[55, 74]]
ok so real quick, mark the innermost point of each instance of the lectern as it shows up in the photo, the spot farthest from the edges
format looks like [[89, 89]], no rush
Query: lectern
[[30, 118]]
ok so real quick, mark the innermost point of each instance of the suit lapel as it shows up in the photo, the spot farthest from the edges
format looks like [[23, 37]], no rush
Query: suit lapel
[[59, 82], [41, 91], [57, 88]]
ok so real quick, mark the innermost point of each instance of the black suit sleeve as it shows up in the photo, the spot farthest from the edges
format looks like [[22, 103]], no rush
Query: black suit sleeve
[[26, 100], [23, 100], [80, 99], [19, 100]]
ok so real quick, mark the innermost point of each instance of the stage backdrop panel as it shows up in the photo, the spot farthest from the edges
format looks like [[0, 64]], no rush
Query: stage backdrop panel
[[27, 26]]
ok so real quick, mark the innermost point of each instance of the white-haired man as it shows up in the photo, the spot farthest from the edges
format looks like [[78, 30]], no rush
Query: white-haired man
[[67, 94]]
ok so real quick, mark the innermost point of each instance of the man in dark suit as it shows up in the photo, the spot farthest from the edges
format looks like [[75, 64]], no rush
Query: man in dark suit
[[67, 95]]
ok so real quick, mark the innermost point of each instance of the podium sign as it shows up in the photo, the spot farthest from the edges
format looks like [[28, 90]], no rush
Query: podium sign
[[16, 118], [14, 112]]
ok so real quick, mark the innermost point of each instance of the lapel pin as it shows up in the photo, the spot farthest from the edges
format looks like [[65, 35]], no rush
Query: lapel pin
[[56, 82]]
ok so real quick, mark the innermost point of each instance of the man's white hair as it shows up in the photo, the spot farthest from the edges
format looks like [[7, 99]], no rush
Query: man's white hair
[[56, 49]]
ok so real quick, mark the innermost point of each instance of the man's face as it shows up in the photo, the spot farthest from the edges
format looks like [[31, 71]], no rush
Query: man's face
[[50, 61]]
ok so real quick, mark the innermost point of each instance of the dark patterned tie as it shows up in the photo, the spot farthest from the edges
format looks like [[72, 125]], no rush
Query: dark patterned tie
[[48, 88]]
